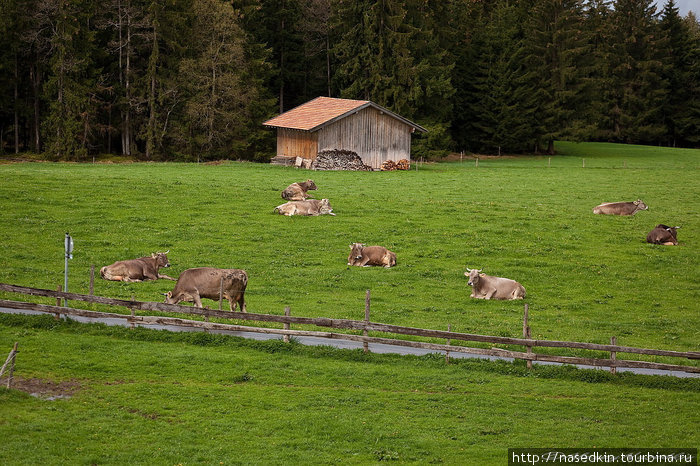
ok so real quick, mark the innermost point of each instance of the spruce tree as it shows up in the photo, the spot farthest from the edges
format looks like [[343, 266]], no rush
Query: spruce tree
[[637, 67], [681, 110]]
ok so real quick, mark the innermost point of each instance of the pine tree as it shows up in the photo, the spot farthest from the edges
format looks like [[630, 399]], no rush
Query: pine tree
[[681, 109], [501, 97], [555, 48], [636, 70], [70, 85], [219, 99]]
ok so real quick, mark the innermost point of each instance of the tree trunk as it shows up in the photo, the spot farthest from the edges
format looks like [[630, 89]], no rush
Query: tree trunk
[[16, 90]]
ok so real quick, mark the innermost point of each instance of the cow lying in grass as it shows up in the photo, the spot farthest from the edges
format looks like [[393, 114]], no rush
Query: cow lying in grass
[[620, 208], [136, 270], [312, 207], [206, 282], [663, 234], [488, 287], [365, 256], [298, 191]]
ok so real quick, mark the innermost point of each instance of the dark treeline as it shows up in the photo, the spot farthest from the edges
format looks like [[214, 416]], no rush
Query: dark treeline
[[194, 79]]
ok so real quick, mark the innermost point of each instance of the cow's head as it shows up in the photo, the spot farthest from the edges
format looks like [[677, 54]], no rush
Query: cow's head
[[169, 298], [473, 275], [325, 207], [355, 253], [641, 205], [310, 185], [161, 258]]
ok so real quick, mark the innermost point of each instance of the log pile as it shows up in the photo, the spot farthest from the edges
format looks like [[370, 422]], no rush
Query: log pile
[[390, 165], [339, 159]]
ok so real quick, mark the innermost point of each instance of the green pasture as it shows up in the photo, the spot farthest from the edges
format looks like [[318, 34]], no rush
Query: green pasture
[[154, 397], [139, 396], [588, 277]]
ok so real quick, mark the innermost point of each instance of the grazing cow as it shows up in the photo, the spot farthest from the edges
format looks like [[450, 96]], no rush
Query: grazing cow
[[488, 287], [136, 270], [663, 234], [205, 282], [309, 207], [298, 191], [364, 256], [620, 208]]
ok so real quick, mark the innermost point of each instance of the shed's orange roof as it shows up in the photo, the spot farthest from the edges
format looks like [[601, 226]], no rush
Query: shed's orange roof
[[315, 112], [321, 111]]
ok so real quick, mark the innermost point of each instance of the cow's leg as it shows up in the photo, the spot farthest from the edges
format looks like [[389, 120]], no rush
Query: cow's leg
[[490, 293], [162, 275], [669, 243], [197, 300], [241, 301]]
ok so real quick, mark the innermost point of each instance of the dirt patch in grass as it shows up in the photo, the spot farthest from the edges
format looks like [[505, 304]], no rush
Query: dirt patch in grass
[[46, 389]]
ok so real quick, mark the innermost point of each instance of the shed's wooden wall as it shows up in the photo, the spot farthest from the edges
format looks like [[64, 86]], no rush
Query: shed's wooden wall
[[297, 143], [375, 136]]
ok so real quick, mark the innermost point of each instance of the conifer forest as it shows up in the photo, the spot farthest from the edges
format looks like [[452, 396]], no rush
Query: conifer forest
[[180, 80]]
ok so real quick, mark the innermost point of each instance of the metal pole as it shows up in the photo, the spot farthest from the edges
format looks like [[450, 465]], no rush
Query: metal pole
[[65, 273]]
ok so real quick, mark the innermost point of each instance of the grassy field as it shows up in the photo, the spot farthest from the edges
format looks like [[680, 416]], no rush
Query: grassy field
[[148, 397], [140, 396], [588, 277]]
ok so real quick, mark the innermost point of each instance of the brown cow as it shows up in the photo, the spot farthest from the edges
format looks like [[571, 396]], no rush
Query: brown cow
[[298, 191], [364, 256], [663, 234], [312, 207], [488, 287], [136, 270], [205, 282], [620, 208]]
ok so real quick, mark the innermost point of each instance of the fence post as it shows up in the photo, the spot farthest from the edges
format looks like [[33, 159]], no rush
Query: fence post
[[133, 314], [613, 355], [477, 162], [526, 333], [449, 342], [92, 280], [365, 333], [12, 366], [57, 315], [287, 311], [221, 292], [11, 362], [584, 163]]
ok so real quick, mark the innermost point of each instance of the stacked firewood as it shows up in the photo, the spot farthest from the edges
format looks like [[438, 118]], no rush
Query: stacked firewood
[[388, 165], [338, 159], [402, 164]]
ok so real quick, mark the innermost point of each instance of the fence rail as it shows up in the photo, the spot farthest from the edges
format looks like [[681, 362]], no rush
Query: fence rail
[[364, 325]]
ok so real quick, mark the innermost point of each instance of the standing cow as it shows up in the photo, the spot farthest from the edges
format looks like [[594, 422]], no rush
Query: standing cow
[[488, 287], [364, 256], [298, 191], [311, 207], [620, 208], [663, 234], [136, 270], [206, 282]]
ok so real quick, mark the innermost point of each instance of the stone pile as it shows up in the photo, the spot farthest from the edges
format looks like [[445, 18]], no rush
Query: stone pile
[[339, 159]]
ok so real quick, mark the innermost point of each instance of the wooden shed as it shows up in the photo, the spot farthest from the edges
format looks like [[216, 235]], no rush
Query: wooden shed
[[324, 123]]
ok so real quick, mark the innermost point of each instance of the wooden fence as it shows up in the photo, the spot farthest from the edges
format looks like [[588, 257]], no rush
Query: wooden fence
[[365, 326]]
